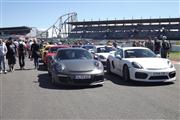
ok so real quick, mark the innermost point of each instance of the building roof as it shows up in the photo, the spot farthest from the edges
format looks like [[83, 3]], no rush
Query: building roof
[[156, 20], [22, 30]]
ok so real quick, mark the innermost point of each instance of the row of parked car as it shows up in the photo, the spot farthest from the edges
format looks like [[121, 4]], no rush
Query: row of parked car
[[85, 65]]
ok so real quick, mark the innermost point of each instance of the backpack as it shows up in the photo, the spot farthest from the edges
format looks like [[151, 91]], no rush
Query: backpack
[[21, 47], [166, 45]]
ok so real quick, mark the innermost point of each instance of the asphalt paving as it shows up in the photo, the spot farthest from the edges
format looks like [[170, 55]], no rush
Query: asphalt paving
[[28, 94]]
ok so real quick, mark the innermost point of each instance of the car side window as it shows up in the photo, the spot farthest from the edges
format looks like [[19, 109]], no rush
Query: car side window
[[119, 52]]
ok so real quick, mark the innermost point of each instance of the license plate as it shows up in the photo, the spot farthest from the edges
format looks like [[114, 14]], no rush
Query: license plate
[[82, 77], [159, 73]]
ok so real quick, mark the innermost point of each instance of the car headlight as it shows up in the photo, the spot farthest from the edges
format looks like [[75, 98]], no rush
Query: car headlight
[[170, 64], [136, 65], [98, 65], [59, 67]]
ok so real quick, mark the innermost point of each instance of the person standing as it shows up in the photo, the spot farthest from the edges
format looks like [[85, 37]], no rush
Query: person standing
[[149, 44], [35, 54], [165, 47], [11, 54], [157, 46], [115, 44], [21, 54], [134, 44], [30, 42], [3, 51]]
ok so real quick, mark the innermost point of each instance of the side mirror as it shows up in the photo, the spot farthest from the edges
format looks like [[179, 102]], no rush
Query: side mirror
[[96, 57], [92, 51], [118, 57], [158, 55]]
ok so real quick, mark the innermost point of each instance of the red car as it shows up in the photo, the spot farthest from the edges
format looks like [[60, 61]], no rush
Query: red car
[[52, 52]]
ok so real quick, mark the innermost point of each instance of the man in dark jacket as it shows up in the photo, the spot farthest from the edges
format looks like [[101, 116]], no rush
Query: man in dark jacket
[[21, 54], [11, 54], [35, 54]]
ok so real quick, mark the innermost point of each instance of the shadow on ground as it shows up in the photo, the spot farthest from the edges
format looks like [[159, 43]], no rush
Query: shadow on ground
[[44, 82], [42, 67], [26, 69], [119, 81]]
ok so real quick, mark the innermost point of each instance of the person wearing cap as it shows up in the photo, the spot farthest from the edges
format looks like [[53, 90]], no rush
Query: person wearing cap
[[3, 51]]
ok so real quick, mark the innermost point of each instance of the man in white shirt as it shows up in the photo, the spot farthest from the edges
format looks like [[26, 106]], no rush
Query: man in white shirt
[[3, 51]]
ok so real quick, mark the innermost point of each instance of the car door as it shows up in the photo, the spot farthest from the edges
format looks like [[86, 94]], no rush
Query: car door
[[117, 61], [121, 63]]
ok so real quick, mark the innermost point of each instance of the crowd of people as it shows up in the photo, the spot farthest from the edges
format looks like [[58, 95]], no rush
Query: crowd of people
[[161, 47], [13, 49]]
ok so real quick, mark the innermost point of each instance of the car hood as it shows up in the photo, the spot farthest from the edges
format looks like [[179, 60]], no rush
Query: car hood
[[78, 65], [151, 63], [51, 54]]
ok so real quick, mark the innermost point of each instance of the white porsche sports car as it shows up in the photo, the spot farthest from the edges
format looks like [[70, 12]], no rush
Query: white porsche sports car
[[140, 64], [103, 52]]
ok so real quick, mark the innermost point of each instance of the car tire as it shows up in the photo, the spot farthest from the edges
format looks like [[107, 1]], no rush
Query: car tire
[[126, 73], [109, 67], [49, 73]]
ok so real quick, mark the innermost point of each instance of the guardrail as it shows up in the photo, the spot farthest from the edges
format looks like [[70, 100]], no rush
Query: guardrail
[[175, 48]]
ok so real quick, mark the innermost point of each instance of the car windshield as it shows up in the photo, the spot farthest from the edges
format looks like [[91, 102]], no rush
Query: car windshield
[[53, 49], [73, 54], [139, 53], [76, 46], [88, 47], [47, 48], [105, 49]]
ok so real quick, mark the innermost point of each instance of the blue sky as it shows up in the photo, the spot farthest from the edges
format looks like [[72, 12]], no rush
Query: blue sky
[[43, 13]]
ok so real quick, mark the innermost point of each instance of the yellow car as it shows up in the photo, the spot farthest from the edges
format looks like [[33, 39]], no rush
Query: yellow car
[[44, 51]]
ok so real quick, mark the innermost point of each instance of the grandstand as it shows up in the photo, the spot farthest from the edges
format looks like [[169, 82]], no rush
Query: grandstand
[[126, 29], [22, 30]]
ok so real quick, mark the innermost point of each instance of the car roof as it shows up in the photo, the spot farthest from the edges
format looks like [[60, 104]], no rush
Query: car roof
[[129, 48], [88, 45], [78, 46], [71, 49], [46, 46], [99, 46], [60, 46]]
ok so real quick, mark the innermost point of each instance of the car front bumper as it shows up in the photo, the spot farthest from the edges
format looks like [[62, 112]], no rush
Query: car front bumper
[[70, 79], [144, 75]]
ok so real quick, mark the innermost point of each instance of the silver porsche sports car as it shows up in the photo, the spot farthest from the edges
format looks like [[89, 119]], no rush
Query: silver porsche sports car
[[76, 66]]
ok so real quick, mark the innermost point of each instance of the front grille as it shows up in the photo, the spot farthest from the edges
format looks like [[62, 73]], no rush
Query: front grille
[[155, 68], [84, 81], [100, 77], [64, 79], [140, 75], [172, 74], [81, 81], [80, 72], [104, 63], [158, 77]]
